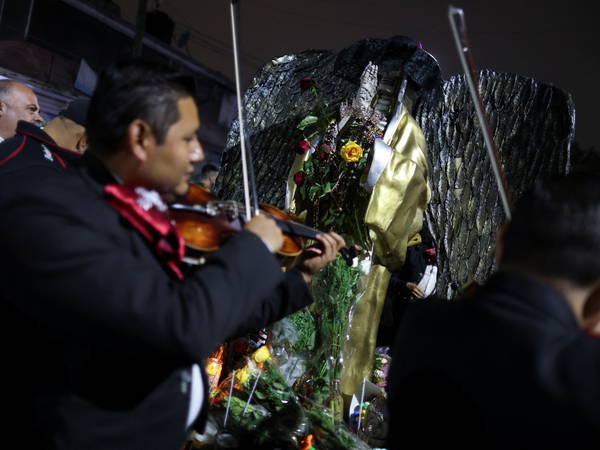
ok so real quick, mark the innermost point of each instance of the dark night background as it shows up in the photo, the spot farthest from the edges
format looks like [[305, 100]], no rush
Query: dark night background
[[551, 41]]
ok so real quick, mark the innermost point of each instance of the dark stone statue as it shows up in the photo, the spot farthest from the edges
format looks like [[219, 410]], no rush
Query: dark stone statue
[[533, 126], [532, 123]]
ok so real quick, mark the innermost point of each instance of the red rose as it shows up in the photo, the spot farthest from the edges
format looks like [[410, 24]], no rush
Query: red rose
[[324, 152], [306, 83], [299, 177], [302, 147], [240, 347]]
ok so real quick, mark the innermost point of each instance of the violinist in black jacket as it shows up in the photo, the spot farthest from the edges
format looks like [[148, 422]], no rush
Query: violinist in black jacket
[[102, 334]]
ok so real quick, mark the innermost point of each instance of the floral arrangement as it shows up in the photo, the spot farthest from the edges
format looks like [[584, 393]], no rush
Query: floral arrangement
[[258, 409], [286, 394], [381, 369], [328, 185], [334, 290]]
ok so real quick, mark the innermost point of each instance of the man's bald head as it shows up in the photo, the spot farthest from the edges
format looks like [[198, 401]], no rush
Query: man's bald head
[[17, 102]]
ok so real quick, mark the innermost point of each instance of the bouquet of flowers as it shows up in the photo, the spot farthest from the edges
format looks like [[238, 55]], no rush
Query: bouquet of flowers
[[328, 193], [256, 408]]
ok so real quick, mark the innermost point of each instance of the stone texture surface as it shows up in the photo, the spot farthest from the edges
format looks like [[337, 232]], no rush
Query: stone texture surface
[[274, 105], [533, 126]]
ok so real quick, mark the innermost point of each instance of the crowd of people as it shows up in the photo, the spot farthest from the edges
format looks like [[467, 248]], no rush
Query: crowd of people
[[104, 334]]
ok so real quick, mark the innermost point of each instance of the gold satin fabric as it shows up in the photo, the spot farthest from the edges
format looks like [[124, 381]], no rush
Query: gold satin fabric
[[359, 348], [394, 215], [400, 196], [416, 239]]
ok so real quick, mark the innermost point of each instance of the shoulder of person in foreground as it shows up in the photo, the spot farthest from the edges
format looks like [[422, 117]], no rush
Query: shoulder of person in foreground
[[425, 312]]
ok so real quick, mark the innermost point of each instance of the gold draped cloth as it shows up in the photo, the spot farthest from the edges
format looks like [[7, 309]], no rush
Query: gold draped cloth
[[394, 215]]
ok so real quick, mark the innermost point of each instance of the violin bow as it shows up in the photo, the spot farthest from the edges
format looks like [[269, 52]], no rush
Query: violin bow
[[252, 208], [456, 16]]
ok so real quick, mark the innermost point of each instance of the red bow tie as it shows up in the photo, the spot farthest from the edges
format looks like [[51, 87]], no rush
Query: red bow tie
[[147, 213]]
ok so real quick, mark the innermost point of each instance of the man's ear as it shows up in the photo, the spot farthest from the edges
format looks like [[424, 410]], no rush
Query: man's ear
[[2, 108], [82, 143], [591, 311], [499, 253], [140, 139]]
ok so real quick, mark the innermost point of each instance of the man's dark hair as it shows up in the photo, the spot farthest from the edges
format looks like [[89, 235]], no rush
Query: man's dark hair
[[130, 90], [555, 230], [207, 168]]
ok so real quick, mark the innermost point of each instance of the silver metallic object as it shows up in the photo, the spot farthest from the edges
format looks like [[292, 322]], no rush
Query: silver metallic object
[[456, 17], [247, 168], [382, 151]]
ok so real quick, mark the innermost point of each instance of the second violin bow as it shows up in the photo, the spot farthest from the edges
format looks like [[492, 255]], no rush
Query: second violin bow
[[252, 208], [456, 16]]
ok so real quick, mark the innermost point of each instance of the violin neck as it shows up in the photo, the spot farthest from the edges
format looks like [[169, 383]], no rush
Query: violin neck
[[297, 229]]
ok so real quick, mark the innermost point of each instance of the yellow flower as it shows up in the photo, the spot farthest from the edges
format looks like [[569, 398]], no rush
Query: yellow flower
[[351, 152], [242, 375], [262, 354]]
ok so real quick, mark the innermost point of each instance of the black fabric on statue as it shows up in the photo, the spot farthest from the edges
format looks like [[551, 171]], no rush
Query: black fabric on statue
[[398, 295]]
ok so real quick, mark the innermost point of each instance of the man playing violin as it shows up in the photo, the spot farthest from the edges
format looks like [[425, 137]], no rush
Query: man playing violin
[[101, 330]]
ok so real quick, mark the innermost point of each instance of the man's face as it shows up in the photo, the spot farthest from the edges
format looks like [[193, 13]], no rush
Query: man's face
[[169, 165], [20, 103], [209, 180]]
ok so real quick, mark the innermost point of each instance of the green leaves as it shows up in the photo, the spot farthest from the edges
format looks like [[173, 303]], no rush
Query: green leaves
[[319, 191], [313, 192], [279, 386], [304, 325], [308, 120]]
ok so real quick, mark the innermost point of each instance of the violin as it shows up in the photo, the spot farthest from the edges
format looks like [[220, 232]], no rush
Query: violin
[[205, 222]]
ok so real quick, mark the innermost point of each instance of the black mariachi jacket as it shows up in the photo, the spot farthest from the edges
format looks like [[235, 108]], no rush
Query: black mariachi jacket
[[506, 368], [32, 147], [97, 334]]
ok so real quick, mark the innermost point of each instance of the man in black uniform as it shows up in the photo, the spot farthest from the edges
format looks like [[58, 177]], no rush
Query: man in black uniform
[[513, 365], [59, 145], [102, 334]]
